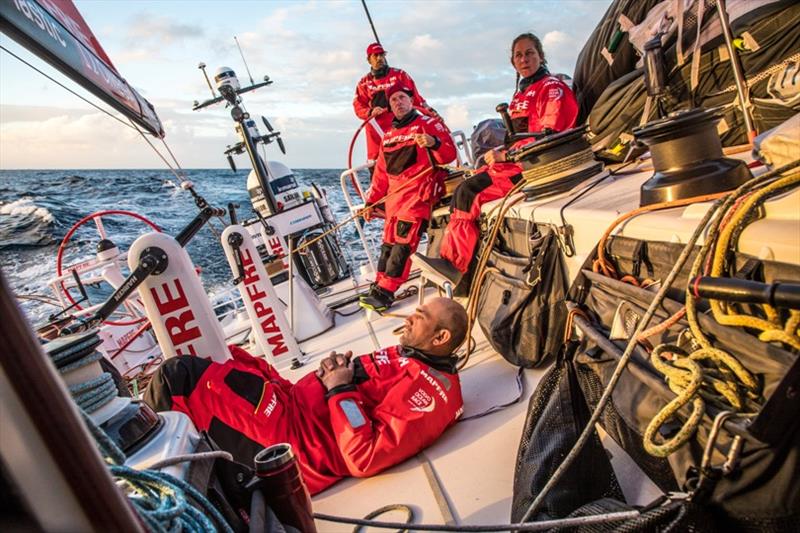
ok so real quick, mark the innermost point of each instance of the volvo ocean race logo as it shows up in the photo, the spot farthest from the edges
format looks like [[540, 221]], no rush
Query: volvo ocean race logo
[[421, 402]]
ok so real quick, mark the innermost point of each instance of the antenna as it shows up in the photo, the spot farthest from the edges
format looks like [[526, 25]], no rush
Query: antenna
[[243, 60], [202, 66]]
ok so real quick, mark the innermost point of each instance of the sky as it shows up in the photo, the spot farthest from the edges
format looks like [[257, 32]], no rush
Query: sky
[[457, 52]]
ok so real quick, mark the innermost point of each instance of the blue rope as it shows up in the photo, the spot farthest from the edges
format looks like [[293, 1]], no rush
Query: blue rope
[[159, 498], [93, 394]]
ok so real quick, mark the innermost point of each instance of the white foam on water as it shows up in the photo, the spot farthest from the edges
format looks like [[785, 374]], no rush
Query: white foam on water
[[25, 207]]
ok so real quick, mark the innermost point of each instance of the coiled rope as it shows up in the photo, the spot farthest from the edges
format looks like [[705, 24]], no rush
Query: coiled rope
[[159, 498], [164, 502], [723, 380], [640, 327]]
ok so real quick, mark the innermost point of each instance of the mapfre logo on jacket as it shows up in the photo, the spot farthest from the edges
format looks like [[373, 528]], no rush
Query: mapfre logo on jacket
[[546, 103]]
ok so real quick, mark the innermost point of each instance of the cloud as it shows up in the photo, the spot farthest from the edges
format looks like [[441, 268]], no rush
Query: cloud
[[456, 52], [457, 117], [425, 44], [159, 30]]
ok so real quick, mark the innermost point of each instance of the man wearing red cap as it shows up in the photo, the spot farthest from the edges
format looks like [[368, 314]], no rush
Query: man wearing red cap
[[407, 177], [371, 101]]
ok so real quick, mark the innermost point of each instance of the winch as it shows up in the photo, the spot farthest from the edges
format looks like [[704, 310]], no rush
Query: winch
[[556, 163], [687, 157]]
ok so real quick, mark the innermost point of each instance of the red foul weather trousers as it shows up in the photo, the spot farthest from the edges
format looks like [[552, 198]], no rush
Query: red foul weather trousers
[[462, 233]]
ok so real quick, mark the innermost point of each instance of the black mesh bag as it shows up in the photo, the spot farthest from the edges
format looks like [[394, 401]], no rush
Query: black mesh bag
[[557, 413]]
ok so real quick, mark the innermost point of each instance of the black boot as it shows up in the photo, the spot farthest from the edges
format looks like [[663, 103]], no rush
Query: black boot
[[377, 299], [437, 269]]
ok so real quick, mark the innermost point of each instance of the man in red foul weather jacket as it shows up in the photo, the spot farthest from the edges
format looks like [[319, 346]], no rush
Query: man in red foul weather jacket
[[407, 177], [542, 104], [354, 416], [371, 101]]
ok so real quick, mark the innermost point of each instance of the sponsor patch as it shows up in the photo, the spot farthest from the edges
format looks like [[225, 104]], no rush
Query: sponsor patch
[[429, 378], [353, 414], [421, 402], [555, 93], [441, 377], [271, 405], [381, 358]]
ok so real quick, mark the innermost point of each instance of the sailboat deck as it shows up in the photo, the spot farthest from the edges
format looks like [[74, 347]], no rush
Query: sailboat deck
[[466, 477]]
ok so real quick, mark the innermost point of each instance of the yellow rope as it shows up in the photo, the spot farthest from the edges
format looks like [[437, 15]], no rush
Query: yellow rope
[[771, 328], [684, 377], [710, 374]]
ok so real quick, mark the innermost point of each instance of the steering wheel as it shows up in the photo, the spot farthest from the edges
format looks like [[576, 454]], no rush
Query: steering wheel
[[60, 255]]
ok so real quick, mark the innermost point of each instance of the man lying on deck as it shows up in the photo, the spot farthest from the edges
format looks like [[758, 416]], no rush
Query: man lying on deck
[[351, 417]]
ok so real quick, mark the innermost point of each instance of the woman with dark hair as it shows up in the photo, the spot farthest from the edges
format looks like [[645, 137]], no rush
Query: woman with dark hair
[[541, 104]]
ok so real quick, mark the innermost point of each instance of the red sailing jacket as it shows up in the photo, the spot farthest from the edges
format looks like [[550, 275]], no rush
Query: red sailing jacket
[[402, 159], [399, 405], [371, 92], [546, 103]]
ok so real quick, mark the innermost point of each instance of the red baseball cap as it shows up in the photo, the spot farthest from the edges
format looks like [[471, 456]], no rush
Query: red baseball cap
[[399, 86], [375, 48]]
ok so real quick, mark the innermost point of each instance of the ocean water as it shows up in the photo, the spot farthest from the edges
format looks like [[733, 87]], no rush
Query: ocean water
[[38, 208]]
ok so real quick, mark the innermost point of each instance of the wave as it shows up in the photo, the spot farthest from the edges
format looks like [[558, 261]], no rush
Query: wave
[[24, 224], [25, 207]]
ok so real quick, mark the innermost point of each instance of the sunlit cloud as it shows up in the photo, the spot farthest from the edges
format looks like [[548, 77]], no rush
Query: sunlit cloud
[[456, 51]]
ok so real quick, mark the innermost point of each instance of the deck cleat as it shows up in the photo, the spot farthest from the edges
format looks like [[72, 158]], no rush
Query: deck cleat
[[438, 270]]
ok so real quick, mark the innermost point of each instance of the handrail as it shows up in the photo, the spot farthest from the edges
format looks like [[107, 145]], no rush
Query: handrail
[[354, 208], [461, 141]]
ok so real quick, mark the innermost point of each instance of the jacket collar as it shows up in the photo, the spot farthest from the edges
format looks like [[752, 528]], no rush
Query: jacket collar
[[405, 120], [540, 73], [447, 364], [380, 73]]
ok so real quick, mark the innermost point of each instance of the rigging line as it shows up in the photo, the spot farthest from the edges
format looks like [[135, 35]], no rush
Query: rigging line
[[153, 146], [175, 159], [369, 18], [12, 54], [169, 166], [183, 179]]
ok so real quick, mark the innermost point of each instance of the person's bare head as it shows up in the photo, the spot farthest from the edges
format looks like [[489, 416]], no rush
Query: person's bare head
[[400, 103], [527, 54], [437, 328]]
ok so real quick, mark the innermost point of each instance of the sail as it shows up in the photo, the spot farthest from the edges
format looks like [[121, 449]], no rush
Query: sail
[[55, 31]]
